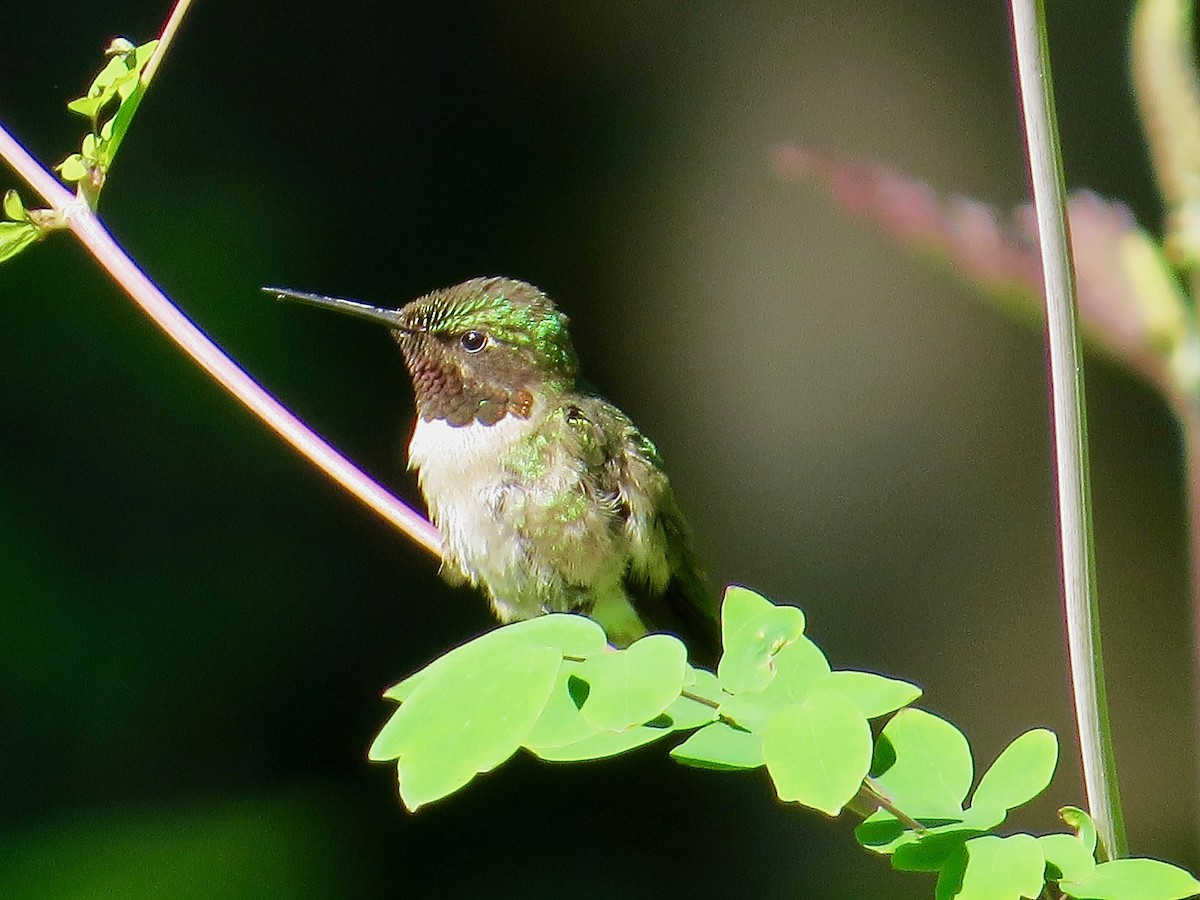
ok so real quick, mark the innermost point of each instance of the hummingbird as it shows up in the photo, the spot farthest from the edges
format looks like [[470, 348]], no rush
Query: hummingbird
[[547, 497]]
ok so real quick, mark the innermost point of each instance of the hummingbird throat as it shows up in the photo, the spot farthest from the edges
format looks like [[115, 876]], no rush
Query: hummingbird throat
[[443, 391]]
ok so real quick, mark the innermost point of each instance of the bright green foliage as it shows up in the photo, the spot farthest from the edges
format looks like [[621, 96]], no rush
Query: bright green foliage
[[818, 751], [753, 630], [1134, 879], [629, 687], [109, 105], [721, 746], [553, 686], [496, 686], [16, 236], [996, 868], [120, 82]]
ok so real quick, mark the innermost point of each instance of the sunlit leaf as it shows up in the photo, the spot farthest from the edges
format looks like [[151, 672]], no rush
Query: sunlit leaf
[[720, 746], [753, 630], [1003, 868], [932, 768], [874, 694], [14, 207], [1021, 772], [73, 168], [818, 752], [1067, 853], [1134, 879], [1075, 818], [16, 236], [467, 714], [632, 686]]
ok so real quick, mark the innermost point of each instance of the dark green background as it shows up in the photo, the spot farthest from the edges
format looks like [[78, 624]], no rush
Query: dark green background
[[197, 626]]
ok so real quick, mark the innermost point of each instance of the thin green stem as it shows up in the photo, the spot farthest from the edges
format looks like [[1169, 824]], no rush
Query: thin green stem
[[1070, 432]]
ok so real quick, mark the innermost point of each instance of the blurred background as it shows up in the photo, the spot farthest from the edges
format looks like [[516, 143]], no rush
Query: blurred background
[[197, 626]]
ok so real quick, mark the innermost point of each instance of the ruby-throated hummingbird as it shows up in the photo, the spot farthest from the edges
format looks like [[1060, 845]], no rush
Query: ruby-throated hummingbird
[[546, 496]]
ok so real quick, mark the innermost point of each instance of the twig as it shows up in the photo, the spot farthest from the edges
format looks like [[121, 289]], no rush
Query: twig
[[83, 222]]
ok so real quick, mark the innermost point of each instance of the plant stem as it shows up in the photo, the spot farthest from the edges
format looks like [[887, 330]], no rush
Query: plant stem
[[83, 222], [1070, 434]]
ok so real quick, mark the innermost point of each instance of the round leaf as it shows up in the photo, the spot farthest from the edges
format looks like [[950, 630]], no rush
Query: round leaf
[[932, 770], [1003, 868], [632, 686], [818, 752]]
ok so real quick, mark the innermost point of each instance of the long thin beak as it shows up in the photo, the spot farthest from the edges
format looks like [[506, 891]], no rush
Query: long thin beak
[[376, 314]]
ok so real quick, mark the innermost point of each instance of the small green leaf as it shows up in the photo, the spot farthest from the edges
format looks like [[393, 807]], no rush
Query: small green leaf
[[16, 236], [799, 667], [88, 107], [14, 208], [818, 752], [720, 746], [1067, 853], [1134, 879], [1003, 868], [932, 768], [874, 694], [73, 168], [632, 686], [1021, 772], [1082, 824], [753, 630]]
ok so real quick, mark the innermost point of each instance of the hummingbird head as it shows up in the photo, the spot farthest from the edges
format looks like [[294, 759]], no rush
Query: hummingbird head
[[477, 351]]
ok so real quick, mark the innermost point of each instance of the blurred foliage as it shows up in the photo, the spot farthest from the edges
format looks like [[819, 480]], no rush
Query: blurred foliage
[[195, 622]]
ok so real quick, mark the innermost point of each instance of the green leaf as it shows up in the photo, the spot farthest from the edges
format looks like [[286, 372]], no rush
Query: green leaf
[[882, 833], [753, 630], [14, 208], [874, 694], [720, 746], [932, 851], [561, 722], [1078, 820], [16, 236], [1021, 772], [570, 634], [1134, 879], [88, 107], [1003, 868], [73, 168], [799, 666], [818, 752], [632, 686], [932, 768], [602, 744], [467, 715], [1067, 853]]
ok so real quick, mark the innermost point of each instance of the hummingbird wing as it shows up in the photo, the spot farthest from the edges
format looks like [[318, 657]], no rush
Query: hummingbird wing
[[664, 582]]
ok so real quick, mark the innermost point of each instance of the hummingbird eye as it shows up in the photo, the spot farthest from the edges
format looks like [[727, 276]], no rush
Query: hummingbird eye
[[473, 341]]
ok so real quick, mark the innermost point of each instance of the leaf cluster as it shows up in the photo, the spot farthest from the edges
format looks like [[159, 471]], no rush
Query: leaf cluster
[[109, 106], [554, 687]]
